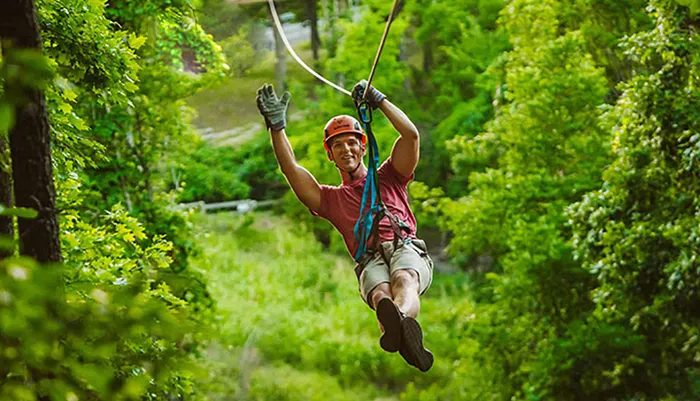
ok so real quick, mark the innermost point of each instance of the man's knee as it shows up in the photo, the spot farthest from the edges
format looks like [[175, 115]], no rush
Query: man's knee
[[404, 277], [382, 290]]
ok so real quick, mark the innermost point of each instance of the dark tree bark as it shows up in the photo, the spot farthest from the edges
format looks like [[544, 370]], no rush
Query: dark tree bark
[[313, 19], [6, 223], [427, 56], [30, 148]]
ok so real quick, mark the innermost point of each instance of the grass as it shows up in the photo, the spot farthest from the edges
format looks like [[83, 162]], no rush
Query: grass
[[232, 104], [290, 313]]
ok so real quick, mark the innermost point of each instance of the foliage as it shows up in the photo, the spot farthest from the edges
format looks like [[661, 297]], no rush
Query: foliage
[[182, 42], [217, 174], [459, 42], [105, 325], [354, 57], [560, 156], [694, 5], [240, 52], [545, 327], [133, 115], [223, 19], [638, 234], [120, 319], [542, 151], [305, 333], [549, 144], [103, 341]]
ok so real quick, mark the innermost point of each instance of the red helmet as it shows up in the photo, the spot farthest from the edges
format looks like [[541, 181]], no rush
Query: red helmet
[[339, 125]]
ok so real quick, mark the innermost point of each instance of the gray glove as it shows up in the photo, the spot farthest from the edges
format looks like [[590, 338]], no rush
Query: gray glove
[[274, 109], [374, 97]]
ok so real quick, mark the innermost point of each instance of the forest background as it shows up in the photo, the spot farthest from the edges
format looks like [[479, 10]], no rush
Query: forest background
[[558, 188]]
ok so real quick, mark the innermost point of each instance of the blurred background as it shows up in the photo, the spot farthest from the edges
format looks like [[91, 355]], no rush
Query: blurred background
[[558, 191]]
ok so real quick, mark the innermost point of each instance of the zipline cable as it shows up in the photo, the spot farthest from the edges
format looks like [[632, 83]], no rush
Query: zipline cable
[[273, 11], [381, 47], [367, 224]]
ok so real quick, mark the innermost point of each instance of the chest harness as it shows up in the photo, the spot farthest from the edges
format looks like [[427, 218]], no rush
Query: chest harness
[[372, 208]]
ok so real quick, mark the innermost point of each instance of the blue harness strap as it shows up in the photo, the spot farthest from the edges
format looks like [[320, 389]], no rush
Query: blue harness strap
[[372, 207]]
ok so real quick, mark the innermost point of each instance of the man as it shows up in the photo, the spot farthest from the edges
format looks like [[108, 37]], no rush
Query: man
[[394, 273]]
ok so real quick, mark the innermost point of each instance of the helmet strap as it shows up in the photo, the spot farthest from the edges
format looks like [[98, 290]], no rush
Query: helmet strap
[[350, 173]]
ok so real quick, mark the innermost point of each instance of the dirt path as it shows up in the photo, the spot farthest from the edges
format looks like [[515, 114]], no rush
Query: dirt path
[[238, 135]]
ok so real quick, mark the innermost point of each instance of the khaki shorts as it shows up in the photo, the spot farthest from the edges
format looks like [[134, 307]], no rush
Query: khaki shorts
[[410, 255]]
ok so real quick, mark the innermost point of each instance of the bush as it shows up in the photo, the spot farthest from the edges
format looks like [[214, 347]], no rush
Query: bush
[[240, 53], [104, 325], [216, 174]]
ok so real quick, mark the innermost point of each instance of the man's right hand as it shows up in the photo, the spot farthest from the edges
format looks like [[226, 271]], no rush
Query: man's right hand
[[274, 109]]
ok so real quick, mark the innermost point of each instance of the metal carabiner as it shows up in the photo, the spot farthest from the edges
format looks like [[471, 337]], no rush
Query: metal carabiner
[[365, 112]]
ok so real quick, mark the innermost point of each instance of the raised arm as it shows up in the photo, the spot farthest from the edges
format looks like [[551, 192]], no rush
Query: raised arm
[[274, 110], [406, 151], [303, 184]]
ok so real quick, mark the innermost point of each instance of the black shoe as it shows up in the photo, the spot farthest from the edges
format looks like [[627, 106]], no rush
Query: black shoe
[[412, 349], [390, 317]]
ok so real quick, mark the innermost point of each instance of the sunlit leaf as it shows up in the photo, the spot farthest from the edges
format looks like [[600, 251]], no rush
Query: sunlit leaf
[[7, 117], [22, 212]]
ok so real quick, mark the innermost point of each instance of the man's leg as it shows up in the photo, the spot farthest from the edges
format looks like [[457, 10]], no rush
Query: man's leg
[[406, 289], [379, 292], [388, 316], [376, 291], [411, 274]]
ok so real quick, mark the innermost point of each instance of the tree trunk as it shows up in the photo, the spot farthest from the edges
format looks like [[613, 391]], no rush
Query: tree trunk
[[427, 56], [30, 148], [313, 19], [326, 16], [6, 222], [336, 9], [280, 64]]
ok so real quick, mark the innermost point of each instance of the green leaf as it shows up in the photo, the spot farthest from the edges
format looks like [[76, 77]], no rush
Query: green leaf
[[23, 212], [695, 7], [7, 243], [70, 95], [130, 87], [65, 107], [136, 41], [7, 117]]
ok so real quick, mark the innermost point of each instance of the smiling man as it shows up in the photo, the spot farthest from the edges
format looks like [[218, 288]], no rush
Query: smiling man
[[395, 271]]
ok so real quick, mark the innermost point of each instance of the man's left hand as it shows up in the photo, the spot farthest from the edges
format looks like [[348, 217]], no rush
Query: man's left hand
[[374, 97]]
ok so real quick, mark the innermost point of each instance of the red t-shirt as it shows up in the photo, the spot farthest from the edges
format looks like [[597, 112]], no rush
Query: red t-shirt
[[341, 204]]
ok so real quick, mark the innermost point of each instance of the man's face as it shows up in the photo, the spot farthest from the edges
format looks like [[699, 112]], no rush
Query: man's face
[[347, 151]]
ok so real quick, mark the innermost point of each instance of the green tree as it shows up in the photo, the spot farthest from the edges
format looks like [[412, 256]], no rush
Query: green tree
[[461, 44], [128, 324], [30, 148], [142, 133], [638, 235], [549, 150]]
